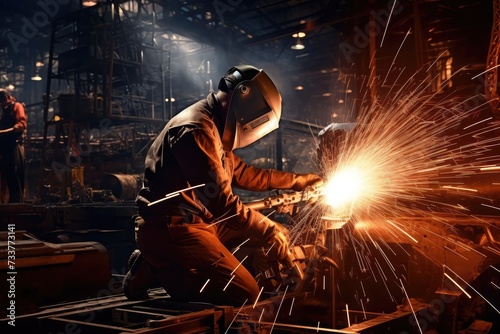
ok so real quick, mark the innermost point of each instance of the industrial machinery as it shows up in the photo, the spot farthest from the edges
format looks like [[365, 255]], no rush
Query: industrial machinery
[[40, 273], [427, 271], [343, 276], [349, 264]]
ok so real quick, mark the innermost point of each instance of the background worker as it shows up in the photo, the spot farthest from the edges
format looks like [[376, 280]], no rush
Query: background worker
[[12, 126]]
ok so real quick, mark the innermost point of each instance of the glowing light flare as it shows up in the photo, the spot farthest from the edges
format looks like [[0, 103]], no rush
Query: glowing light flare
[[346, 186]]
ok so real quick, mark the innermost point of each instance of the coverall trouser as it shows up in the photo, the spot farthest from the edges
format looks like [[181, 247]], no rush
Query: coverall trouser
[[193, 262]]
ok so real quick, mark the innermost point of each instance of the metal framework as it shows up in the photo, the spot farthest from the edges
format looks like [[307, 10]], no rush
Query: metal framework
[[491, 75]]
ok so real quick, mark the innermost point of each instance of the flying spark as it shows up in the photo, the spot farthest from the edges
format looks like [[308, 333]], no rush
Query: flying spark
[[239, 264], [258, 297], [279, 308], [229, 282], [458, 285], [411, 306], [175, 193], [473, 289], [204, 285], [416, 155], [236, 316], [348, 318]]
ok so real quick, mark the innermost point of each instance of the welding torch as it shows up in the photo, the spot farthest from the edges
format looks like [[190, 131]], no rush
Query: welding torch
[[285, 201]]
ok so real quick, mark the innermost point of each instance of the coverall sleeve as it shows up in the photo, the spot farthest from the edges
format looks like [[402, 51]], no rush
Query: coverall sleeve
[[199, 156], [257, 179], [20, 116]]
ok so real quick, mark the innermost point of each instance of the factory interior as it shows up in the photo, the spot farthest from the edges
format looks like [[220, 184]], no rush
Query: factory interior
[[405, 92]]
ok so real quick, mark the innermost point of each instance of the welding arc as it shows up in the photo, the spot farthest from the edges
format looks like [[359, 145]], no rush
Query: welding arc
[[175, 193]]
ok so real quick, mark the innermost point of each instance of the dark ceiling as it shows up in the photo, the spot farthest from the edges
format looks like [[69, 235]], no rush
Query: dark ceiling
[[409, 35]]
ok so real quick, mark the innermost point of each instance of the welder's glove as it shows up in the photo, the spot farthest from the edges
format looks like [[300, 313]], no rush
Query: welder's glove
[[302, 181], [277, 245], [312, 183]]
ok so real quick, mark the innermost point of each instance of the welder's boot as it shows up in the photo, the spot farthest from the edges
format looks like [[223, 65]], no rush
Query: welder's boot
[[139, 278]]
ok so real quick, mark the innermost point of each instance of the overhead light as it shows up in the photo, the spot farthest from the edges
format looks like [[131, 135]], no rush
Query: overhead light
[[37, 76], [10, 87], [299, 87], [298, 42], [298, 45], [89, 3]]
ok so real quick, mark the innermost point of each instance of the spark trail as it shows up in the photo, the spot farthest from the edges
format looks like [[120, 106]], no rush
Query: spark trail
[[409, 155], [413, 150]]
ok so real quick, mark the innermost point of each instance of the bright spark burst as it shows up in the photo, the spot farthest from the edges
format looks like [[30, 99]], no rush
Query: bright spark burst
[[412, 149], [351, 181], [411, 155]]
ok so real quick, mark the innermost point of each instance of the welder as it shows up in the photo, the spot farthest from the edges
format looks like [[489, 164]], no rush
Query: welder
[[189, 221]]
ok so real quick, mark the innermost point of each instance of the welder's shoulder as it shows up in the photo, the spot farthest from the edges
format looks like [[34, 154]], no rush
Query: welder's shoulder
[[195, 116]]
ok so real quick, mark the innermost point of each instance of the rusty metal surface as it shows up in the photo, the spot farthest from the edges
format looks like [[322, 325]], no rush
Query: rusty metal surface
[[116, 314]]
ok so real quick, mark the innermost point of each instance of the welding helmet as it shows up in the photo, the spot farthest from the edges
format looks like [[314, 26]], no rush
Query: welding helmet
[[254, 108]]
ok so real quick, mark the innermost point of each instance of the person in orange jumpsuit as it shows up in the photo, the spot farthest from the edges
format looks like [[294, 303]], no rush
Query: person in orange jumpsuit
[[187, 238], [12, 126]]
